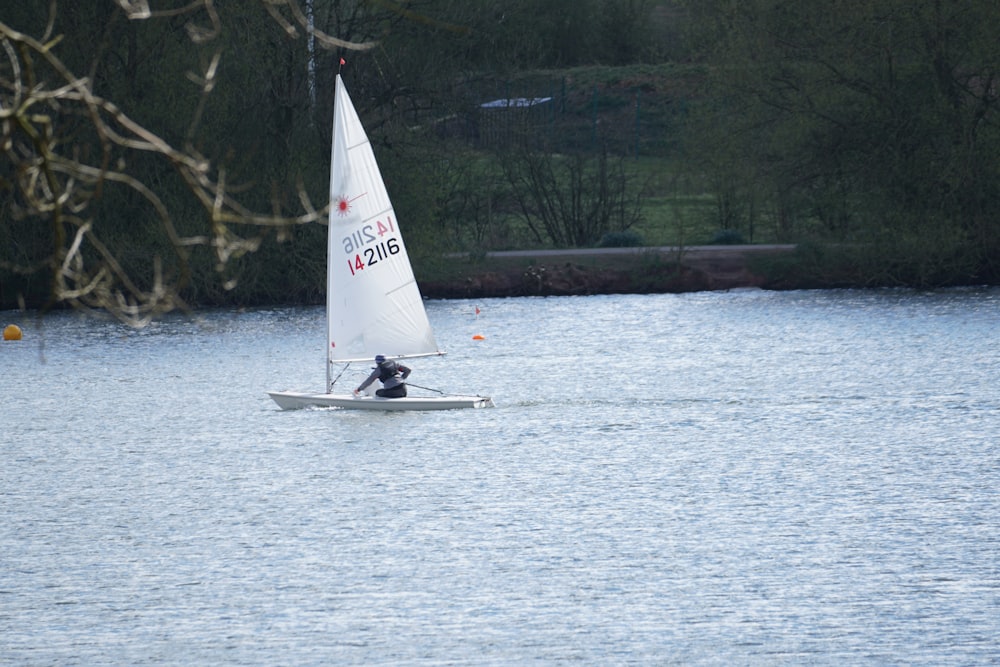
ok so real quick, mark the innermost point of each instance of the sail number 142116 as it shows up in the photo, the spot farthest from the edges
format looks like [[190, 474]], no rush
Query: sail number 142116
[[369, 245]]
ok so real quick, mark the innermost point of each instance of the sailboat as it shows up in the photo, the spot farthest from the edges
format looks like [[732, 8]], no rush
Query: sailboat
[[373, 303]]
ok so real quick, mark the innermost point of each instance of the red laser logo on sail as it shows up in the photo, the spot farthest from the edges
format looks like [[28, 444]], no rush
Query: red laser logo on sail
[[343, 205]]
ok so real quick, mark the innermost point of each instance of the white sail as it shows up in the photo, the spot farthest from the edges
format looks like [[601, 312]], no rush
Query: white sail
[[373, 302]]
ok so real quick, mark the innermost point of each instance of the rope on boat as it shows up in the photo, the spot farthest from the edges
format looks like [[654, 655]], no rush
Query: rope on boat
[[410, 384], [342, 371]]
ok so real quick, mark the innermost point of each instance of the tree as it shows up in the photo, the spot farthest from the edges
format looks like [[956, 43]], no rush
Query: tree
[[876, 119], [572, 200], [75, 160]]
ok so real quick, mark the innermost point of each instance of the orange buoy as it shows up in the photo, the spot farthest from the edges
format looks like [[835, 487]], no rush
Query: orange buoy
[[479, 337], [12, 332]]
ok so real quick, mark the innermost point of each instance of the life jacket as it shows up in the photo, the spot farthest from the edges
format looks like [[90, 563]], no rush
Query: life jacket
[[387, 369]]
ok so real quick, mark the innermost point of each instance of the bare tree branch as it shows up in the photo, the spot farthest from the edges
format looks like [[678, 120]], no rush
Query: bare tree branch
[[55, 177]]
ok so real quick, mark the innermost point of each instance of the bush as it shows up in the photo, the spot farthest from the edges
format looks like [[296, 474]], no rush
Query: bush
[[625, 239]]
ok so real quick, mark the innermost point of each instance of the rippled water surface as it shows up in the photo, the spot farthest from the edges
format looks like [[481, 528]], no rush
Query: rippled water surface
[[720, 478]]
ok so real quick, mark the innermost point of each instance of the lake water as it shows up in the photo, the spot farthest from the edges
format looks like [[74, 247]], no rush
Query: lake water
[[741, 477]]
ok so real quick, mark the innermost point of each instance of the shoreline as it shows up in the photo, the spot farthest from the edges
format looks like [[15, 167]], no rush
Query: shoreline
[[584, 271]]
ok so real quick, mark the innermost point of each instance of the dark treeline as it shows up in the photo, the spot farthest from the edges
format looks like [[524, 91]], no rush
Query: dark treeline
[[865, 130], [869, 123]]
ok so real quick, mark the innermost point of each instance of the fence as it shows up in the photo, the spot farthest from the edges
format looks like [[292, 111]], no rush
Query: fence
[[558, 116]]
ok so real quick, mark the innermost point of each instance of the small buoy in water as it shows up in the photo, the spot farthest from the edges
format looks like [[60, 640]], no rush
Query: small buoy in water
[[12, 332], [479, 337]]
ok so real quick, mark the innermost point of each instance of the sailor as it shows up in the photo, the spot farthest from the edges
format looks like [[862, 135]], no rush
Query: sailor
[[390, 374]]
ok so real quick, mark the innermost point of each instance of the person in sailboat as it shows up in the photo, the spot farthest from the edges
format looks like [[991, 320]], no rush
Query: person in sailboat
[[391, 374]]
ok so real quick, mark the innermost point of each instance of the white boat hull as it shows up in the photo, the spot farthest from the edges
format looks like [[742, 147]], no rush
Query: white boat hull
[[292, 400]]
